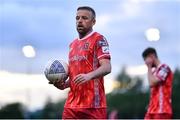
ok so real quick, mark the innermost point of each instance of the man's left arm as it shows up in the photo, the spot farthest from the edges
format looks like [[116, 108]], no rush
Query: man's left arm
[[104, 69]]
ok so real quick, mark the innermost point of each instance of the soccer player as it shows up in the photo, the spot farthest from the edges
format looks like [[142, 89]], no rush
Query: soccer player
[[89, 62], [160, 79]]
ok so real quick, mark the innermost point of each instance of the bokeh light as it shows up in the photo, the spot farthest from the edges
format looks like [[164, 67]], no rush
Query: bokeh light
[[152, 34], [29, 51]]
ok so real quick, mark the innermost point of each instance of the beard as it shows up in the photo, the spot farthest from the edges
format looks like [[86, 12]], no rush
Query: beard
[[82, 30]]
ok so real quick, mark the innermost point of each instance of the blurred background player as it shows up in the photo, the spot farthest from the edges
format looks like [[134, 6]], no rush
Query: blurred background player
[[160, 79], [89, 62]]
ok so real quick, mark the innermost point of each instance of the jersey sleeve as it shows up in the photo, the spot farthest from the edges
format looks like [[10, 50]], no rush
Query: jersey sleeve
[[163, 72], [102, 49]]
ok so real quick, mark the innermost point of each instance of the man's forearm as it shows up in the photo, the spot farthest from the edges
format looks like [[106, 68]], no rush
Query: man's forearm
[[101, 71]]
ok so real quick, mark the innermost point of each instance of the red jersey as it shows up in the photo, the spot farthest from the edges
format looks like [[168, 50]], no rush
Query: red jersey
[[84, 56], [160, 98]]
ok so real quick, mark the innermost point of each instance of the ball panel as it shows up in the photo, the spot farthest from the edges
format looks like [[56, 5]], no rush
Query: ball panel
[[56, 67]]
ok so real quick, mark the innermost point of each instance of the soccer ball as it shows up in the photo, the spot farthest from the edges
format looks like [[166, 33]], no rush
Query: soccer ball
[[56, 70]]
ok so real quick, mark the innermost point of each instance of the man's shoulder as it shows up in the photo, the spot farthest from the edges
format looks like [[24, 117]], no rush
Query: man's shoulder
[[163, 71], [73, 41], [165, 66], [99, 37], [97, 34]]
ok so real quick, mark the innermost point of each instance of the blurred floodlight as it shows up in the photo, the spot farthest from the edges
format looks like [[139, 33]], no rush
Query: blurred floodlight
[[28, 51], [152, 34]]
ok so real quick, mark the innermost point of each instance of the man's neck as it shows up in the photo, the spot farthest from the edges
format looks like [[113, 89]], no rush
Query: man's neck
[[83, 35]]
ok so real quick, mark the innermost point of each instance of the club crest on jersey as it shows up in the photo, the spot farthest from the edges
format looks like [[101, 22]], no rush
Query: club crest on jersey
[[86, 46]]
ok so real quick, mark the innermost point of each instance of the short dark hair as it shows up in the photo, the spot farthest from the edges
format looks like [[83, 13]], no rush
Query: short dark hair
[[148, 51], [89, 9]]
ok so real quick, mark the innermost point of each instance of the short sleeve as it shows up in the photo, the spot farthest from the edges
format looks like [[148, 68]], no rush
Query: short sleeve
[[163, 72], [102, 49]]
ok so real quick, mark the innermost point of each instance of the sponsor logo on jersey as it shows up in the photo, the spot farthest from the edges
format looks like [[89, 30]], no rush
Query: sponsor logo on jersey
[[77, 58]]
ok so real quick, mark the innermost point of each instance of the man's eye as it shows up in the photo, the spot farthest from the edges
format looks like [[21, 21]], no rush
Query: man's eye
[[84, 17], [77, 18]]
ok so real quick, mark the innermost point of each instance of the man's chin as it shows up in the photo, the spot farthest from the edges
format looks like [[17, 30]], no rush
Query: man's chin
[[80, 31]]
